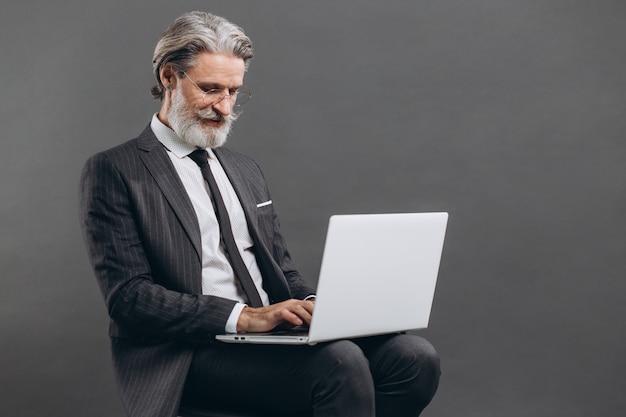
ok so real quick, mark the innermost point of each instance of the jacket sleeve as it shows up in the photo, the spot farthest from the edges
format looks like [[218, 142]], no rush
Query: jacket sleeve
[[141, 272]]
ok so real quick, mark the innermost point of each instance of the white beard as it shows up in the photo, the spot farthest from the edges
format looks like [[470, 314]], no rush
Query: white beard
[[190, 129]]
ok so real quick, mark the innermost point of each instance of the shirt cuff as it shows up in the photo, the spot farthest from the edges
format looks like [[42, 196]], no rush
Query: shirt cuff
[[310, 297], [231, 323]]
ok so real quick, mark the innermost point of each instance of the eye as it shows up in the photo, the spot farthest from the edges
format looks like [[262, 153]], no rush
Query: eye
[[233, 91], [212, 91]]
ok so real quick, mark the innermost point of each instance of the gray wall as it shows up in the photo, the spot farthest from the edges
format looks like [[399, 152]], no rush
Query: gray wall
[[509, 114]]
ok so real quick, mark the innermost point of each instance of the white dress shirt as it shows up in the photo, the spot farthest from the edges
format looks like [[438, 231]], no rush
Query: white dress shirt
[[218, 277]]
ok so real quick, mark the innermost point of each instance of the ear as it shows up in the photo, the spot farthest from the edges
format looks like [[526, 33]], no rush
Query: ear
[[168, 77]]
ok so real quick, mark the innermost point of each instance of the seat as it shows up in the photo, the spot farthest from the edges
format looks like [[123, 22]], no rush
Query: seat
[[199, 412]]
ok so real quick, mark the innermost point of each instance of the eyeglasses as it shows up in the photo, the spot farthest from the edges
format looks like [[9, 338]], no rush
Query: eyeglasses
[[237, 96]]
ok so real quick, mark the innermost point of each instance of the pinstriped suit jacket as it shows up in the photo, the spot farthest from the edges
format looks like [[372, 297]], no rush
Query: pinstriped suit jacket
[[143, 241]]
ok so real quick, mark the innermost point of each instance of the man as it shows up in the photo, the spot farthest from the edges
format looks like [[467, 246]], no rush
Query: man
[[153, 212]]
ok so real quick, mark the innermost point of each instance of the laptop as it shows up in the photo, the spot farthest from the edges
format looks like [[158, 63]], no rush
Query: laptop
[[378, 275]]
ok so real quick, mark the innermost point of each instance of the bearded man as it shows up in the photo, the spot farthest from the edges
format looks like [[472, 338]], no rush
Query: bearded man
[[152, 212]]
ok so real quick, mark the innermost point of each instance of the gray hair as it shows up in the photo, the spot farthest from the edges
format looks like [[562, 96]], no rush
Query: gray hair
[[192, 34]]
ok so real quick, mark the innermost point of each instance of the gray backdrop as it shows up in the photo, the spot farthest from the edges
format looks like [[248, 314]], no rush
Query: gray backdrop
[[509, 114]]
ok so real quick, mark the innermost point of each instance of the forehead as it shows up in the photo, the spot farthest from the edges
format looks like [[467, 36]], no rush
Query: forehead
[[218, 68]]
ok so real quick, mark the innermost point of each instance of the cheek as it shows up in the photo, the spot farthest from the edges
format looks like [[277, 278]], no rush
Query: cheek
[[191, 103], [193, 111], [197, 104]]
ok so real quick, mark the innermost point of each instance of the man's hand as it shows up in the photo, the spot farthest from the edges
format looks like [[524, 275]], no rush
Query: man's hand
[[290, 313]]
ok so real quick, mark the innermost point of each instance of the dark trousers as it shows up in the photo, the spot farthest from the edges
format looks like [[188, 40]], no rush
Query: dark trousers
[[385, 376]]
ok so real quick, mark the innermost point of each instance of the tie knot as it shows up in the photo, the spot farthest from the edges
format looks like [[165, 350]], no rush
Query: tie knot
[[200, 157]]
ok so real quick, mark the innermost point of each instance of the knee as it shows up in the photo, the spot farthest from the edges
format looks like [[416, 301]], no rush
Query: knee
[[408, 356], [343, 366], [344, 380], [346, 358], [426, 355], [407, 370], [423, 357]]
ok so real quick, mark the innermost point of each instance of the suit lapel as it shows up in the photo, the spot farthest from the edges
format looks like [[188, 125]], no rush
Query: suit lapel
[[242, 189], [162, 170], [273, 278]]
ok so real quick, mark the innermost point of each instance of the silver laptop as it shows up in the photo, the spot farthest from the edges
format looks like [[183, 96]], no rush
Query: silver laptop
[[378, 275]]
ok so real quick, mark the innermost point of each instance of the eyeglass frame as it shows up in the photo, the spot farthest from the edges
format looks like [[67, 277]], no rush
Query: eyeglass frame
[[232, 96]]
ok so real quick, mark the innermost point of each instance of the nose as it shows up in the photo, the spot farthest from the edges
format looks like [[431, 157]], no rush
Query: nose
[[224, 105]]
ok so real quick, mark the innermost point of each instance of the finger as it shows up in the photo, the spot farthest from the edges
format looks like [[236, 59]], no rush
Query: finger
[[291, 317], [309, 305], [303, 312]]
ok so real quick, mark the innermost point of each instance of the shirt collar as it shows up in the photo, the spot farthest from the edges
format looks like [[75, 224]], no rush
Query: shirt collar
[[171, 140]]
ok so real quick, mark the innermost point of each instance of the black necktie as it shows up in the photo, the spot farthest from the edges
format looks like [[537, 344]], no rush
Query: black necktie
[[200, 156]]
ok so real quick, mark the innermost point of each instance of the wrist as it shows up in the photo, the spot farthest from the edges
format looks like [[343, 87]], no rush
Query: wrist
[[233, 319], [244, 319]]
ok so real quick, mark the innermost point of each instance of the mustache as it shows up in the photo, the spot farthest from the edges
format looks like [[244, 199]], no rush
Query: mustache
[[211, 114]]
